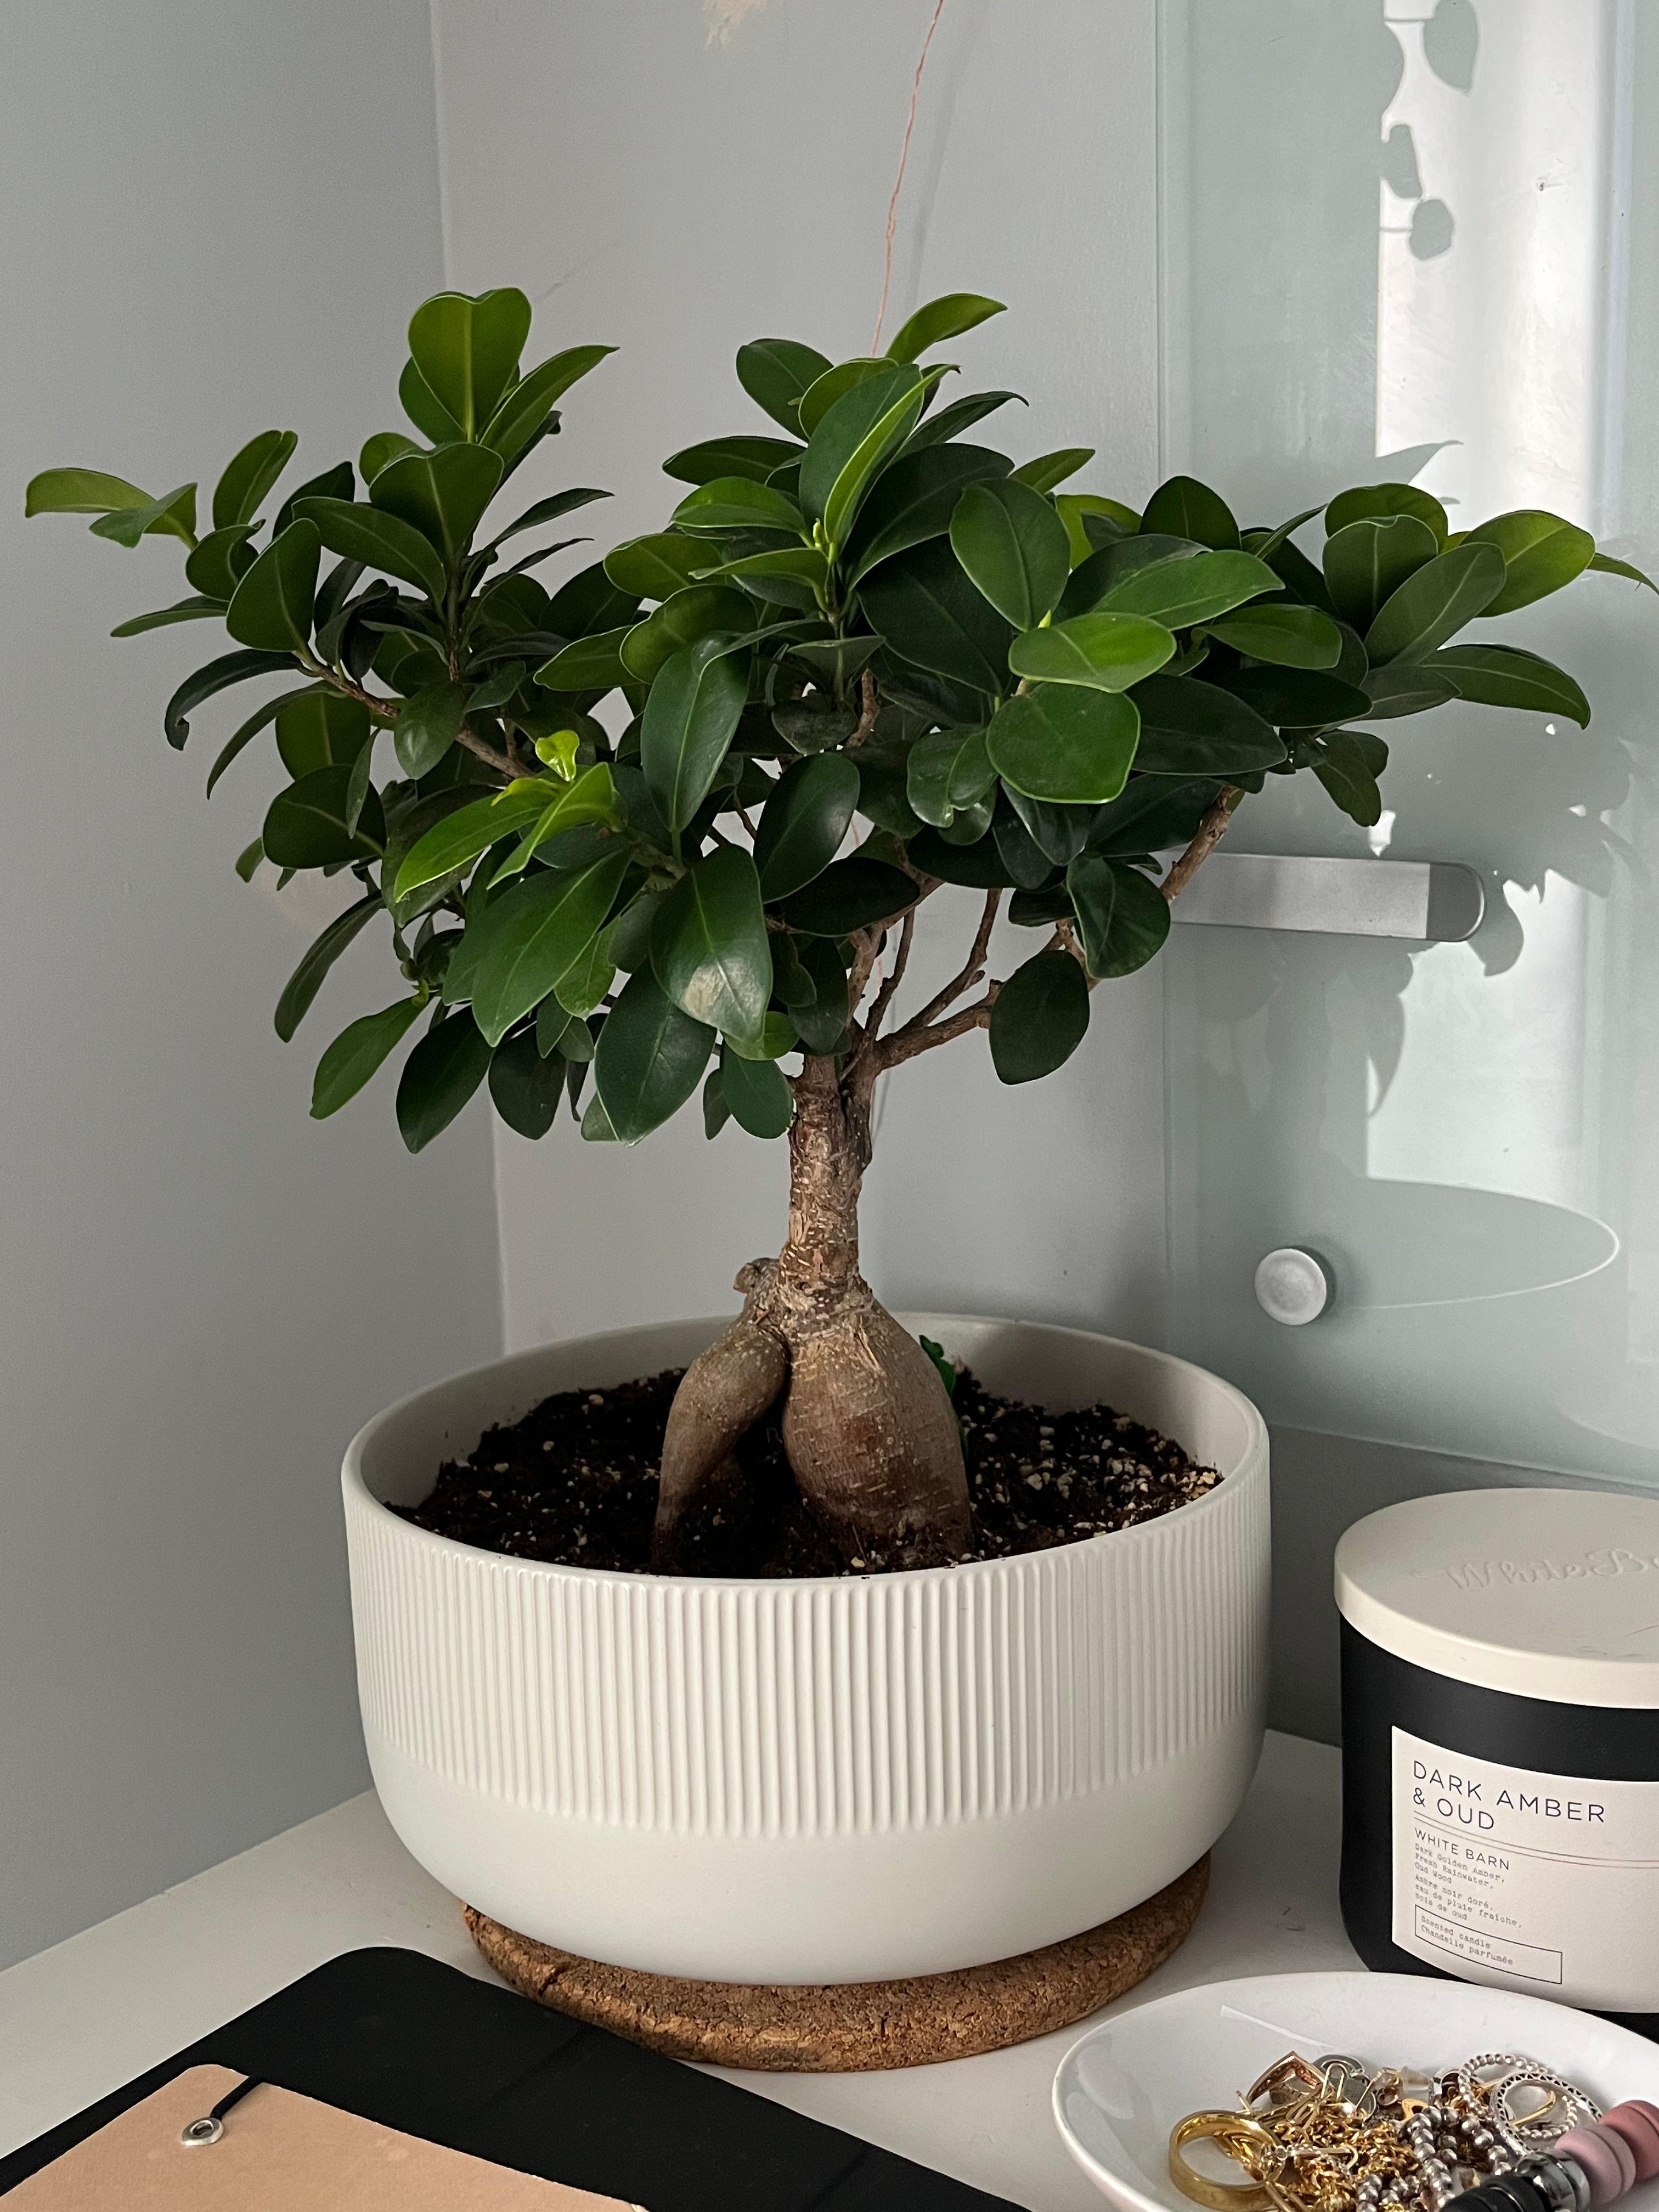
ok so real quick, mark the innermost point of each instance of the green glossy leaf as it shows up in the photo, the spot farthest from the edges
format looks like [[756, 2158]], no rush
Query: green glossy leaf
[[691, 615], [839, 497], [1288, 637], [1054, 833], [1540, 551], [1434, 604], [1183, 507], [947, 772], [379, 540], [1153, 812], [1408, 687], [913, 499], [1366, 502], [737, 503], [1194, 729], [708, 948], [1103, 651], [218, 676], [317, 728], [217, 565], [443, 494], [950, 420], [467, 350], [925, 609], [383, 446], [756, 1095], [271, 608], [1613, 568], [979, 866], [526, 1089], [775, 372], [589, 602], [776, 1036], [1509, 676], [885, 407], [1066, 745], [457, 841], [1039, 1018], [1296, 698], [358, 1053], [820, 1024], [689, 723], [1014, 547], [173, 513], [533, 934], [248, 860], [803, 822], [657, 566], [834, 385], [1366, 561], [754, 457], [304, 826], [583, 986], [1045, 471], [1115, 561], [521, 413], [427, 728], [1077, 509], [1196, 589], [947, 317], [587, 663], [193, 610], [260, 719], [424, 409], [1349, 764], [549, 510], [250, 474], [89, 491], [439, 1078], [558, 1032], [1265, 544], [849, 895], [303, 985], [790, 576], [1122, 919], [650, 1059]]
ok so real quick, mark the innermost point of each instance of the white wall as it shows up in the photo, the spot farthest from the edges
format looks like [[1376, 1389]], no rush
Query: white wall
[[218, 216], [676, 198]]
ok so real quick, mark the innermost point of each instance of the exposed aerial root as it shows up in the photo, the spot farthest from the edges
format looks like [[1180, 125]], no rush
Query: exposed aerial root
[[723, 1392]]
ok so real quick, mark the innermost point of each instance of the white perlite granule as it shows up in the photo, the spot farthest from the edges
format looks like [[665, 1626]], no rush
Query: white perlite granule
[[722, 17]]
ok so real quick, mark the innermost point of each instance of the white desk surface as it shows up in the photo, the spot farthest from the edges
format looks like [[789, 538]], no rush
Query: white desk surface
[[81, 2019]]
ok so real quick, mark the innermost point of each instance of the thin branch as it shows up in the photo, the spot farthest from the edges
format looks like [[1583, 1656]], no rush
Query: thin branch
[[869, 708], [867, 950], [898, 182], [884, 998], [972, 971], [503, 763], [904, 1044], [1211, 831]]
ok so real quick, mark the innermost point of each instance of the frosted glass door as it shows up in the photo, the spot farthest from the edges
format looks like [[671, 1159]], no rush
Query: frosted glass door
[[1422, 242]]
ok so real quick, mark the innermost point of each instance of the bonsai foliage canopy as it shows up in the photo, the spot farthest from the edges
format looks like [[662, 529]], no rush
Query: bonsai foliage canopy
[[668, 824]]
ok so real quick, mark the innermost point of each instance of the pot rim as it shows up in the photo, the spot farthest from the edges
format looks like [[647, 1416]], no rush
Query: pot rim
[[356, 1487]]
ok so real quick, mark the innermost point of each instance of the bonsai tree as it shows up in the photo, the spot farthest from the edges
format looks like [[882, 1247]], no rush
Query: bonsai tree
[[670, 824]]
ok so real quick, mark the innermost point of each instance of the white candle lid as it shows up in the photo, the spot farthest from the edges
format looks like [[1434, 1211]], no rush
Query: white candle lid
[[1542, 1593]]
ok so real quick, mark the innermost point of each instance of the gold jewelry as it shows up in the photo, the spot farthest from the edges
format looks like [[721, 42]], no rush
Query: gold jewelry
[[1224, 2130]]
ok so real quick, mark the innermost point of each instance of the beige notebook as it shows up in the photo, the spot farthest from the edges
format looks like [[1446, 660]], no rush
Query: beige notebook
[[278, 2152]]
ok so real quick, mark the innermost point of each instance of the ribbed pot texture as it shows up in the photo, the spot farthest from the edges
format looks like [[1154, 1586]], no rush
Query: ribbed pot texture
[[821, 1781]]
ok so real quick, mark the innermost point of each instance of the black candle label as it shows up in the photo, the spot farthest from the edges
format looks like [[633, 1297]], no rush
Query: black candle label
[[1545, 1882]]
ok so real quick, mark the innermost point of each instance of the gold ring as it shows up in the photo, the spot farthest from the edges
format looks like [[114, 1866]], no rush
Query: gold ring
[[1216, 2127]]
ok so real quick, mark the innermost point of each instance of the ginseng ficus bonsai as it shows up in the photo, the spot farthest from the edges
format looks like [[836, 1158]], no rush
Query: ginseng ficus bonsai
[[671, 823]]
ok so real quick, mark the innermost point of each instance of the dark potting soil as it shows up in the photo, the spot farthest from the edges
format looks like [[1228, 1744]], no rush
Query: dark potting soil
[[575, 1482]]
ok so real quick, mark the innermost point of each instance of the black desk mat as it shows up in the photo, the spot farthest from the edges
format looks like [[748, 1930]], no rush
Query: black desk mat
[[417, 2045]]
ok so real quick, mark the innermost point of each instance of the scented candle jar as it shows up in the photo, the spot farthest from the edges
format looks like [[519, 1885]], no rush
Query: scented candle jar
[[1500, 1743]]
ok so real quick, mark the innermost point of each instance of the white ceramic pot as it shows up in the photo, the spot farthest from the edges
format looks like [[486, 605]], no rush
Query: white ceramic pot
[[823, 1781]]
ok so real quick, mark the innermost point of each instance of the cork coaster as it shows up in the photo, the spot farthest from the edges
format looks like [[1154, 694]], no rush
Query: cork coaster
[[855, 2028]]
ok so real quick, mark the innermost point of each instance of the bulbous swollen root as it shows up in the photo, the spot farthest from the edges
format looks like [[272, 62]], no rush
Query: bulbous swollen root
[[869, 1432]]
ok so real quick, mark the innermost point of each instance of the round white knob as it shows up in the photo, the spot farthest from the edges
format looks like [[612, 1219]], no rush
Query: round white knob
[[1293, 1286]]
